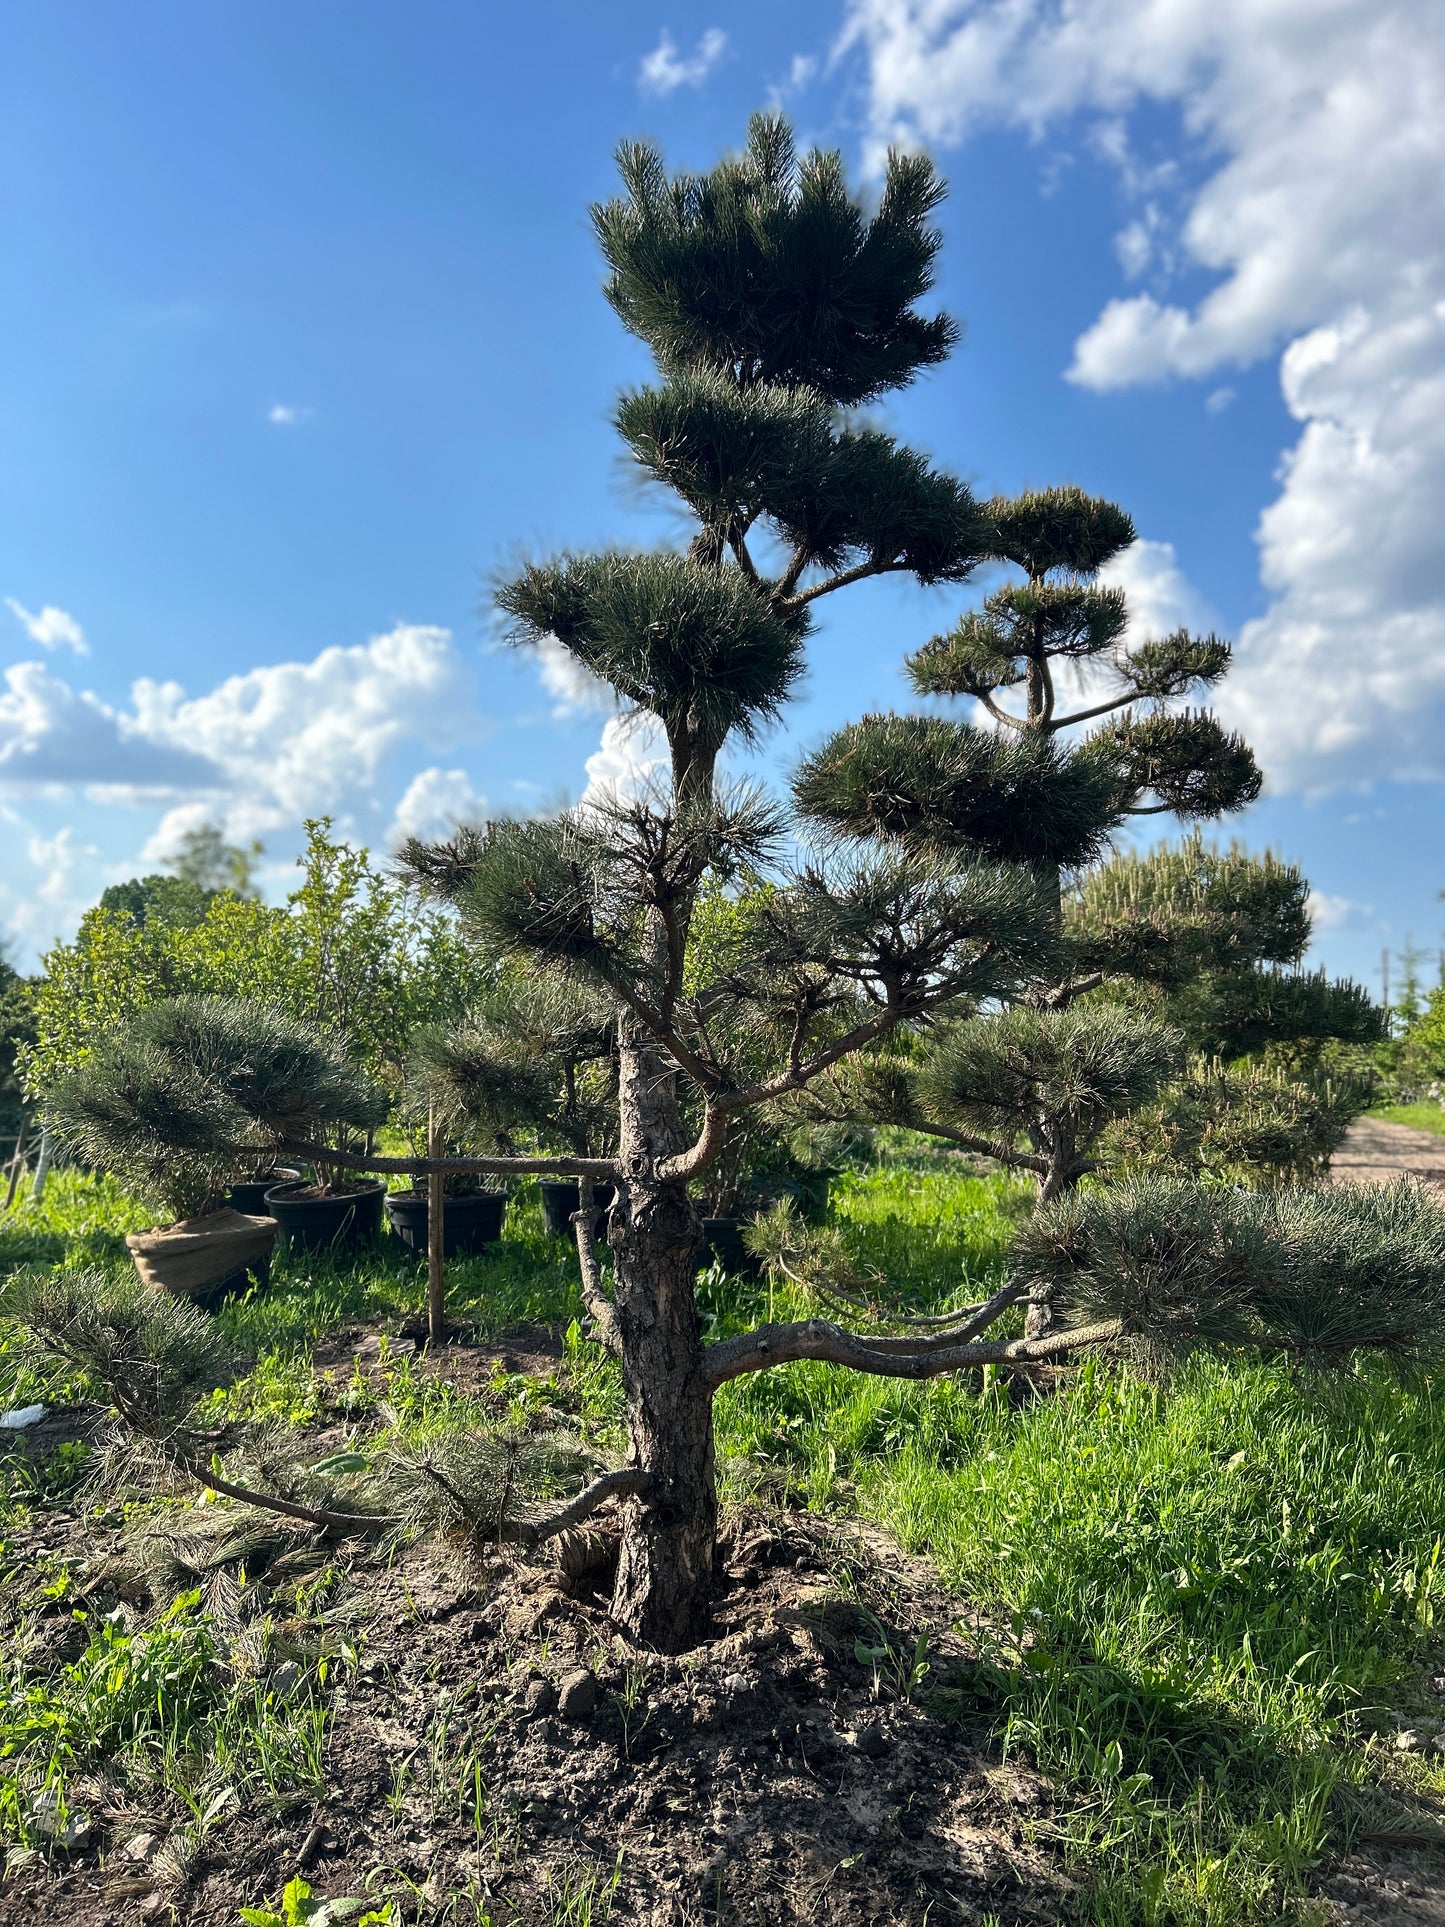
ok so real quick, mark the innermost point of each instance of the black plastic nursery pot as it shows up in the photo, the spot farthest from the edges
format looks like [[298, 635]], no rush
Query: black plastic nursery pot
[[340, 1224], [559, 1201], [249, 1194], [255, 1277], [723, 1242], [469, 1225]]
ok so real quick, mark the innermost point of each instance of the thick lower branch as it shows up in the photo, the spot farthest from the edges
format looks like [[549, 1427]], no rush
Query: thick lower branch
[[770, 1345], [611, 1485], [598, 1169]]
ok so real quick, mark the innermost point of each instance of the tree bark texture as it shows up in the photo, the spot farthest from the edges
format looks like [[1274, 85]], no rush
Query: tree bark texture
[[664, 1579]]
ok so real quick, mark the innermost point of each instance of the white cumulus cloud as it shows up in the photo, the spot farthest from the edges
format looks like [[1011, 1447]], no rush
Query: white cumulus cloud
[[299, 738], [1313, 133], [336, 735], [261, 750], [664, 70], [571, 686], [53, 737], [434, 803], [632, 757], [52, 628], [1161, 597]]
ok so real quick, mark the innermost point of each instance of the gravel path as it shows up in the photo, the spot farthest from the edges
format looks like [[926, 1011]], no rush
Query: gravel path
[[1377, 1151]]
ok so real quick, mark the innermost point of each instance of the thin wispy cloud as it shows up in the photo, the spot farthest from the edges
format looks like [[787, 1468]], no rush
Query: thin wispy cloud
[[52, 628], [1330, 912], [286, 414], [665, 69]]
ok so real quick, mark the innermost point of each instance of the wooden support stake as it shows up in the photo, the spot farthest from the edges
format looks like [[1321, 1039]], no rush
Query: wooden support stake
[[436, 1286]]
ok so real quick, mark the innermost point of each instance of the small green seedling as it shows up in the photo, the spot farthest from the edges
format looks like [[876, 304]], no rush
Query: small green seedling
[[905, 1674], [300, 1908]]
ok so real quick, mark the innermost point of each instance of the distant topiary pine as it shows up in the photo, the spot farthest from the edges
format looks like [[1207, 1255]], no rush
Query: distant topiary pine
[[946, 785], [1204, 948], [1175, 965]]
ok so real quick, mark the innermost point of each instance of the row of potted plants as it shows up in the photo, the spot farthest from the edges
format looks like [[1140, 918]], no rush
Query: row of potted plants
[[314, 1222], [209, 1258]]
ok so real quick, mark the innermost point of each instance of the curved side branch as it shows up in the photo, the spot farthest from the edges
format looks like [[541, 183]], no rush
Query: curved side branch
[[197, 1468], [620, 1484], [700, 1154], [770, 1345], [1062, 995], [982, 1146], [800, 598], [526, 1532], [1000, 715], [928, 1334]]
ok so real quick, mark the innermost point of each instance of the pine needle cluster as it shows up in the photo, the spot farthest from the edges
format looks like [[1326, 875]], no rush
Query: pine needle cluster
[[1320, 1272], [190, 1090]]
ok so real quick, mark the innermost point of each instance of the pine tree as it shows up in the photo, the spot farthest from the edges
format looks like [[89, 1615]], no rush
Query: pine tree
[[192, 1088], [774, 305], [1204, 949], [1212, 944]]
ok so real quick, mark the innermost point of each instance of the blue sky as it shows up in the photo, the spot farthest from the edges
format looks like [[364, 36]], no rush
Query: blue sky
[[302, 339]]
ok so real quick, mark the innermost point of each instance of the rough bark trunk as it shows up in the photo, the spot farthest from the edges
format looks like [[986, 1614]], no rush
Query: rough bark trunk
[[669, 1530], [1057, 1145]]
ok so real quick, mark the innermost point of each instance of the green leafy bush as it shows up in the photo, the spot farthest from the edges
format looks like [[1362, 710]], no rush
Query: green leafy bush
[[350, 954]]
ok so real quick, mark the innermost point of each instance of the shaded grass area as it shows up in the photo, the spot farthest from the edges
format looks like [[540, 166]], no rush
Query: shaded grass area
[[1195, 1599], [1420, 1117]]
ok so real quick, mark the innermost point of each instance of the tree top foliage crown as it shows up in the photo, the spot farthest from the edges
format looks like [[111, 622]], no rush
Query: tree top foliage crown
[[767, 269]]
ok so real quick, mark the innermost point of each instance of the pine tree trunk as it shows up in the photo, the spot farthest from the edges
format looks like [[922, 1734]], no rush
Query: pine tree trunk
[[664, 1578]]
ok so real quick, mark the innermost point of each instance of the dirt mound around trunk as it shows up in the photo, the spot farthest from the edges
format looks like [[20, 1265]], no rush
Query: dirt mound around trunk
[[498, 1753]]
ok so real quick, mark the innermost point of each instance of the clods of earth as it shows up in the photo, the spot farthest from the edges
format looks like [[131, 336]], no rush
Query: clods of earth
[[491, 1753], [495, 1752]]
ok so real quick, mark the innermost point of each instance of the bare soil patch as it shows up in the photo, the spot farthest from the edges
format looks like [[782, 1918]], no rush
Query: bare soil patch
[[497, 1740]]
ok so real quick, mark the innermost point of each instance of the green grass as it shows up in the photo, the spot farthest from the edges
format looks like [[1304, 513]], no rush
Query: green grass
[[1196, 1597], [1420, 1117]]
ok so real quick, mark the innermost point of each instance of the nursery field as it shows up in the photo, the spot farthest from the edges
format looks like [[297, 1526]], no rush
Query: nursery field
[[1104, 1647]]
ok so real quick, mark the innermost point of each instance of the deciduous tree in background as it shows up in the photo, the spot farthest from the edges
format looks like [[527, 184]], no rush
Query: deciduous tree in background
[[349, 953]]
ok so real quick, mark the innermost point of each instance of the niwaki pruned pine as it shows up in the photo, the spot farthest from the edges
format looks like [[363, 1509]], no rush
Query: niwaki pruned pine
[[1087, 727], [935, 948]]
